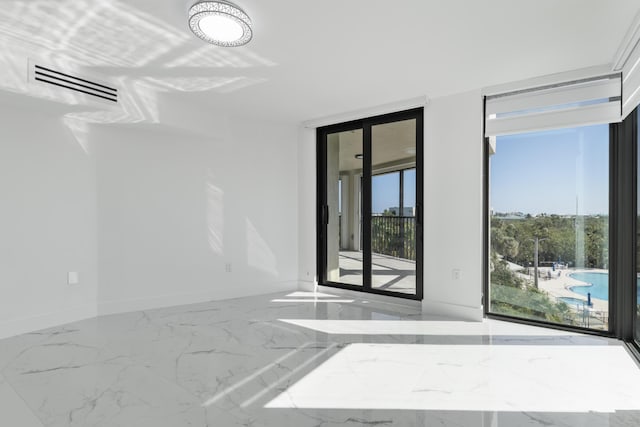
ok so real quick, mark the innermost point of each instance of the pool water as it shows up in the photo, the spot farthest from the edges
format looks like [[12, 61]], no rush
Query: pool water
[[599, 285]]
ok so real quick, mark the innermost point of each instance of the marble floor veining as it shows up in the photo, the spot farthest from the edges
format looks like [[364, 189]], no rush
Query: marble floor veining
[[301, 359]]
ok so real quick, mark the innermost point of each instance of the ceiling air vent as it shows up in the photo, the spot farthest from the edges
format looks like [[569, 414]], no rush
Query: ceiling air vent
[[67, 81]]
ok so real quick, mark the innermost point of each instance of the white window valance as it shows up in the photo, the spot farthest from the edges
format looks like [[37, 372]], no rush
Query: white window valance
[[588, 101]]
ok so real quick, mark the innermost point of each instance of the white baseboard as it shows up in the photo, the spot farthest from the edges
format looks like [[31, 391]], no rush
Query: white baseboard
[[453, 311], [306, 286], [378, 298], [151, 302], [439, 308], [29, 324]]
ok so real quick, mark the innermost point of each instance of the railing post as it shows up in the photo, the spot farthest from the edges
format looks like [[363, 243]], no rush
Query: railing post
[[402, 243]]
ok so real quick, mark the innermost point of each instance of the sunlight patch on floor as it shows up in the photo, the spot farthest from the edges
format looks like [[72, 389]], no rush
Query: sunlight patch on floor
[[470, 378]]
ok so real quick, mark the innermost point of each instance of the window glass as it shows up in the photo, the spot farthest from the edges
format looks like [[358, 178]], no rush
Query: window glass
[[344, 168], [409, 195], [549, 231], [393, 195]]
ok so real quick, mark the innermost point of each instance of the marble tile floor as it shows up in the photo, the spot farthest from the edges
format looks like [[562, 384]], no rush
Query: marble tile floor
[[301, 359]]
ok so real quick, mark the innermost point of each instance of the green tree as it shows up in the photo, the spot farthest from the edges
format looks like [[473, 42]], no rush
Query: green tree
[[513, 239]]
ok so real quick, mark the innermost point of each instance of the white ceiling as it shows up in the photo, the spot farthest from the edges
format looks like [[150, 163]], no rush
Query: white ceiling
[[311, 59], [391, 143]]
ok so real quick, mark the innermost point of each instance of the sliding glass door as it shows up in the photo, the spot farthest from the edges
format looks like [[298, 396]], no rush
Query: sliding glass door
[[369, 199]]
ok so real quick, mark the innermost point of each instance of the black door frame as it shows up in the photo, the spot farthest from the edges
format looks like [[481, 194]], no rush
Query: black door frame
[[322, 205]]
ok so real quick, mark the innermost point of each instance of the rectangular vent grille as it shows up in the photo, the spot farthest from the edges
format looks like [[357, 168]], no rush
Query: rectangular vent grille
[[67, 81]]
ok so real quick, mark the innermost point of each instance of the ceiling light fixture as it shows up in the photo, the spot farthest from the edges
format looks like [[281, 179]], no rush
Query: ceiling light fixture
[[221, 23]]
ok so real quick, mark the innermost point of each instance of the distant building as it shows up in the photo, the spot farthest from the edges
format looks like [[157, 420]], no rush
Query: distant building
[[510, 215], [406, 211]]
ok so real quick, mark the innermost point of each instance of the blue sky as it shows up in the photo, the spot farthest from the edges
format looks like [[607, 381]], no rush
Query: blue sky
[[545, 172], [541, 172], [386, 190]]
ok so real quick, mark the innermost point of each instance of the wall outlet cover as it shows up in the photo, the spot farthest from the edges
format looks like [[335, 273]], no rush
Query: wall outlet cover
[[73, 278]]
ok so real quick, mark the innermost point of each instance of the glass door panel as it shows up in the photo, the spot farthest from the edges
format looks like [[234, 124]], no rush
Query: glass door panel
[[344, 263], [637, 314], [393, 206]]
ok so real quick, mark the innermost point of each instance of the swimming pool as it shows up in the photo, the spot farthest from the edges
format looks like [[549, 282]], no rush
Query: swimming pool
[[599, 285]]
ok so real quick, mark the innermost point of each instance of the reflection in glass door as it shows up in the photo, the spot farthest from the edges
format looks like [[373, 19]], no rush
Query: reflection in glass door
[[393, 207], [369, 198], [343, 207]]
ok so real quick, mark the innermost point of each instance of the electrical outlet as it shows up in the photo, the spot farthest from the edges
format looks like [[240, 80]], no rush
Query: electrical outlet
[[73, 278], [227, 267], [455, 274]]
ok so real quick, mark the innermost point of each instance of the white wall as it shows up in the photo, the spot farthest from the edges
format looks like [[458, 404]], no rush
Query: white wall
[[307, 206], [148, 215], [175, 208], [157, 213], [453, 206], [47, 220]]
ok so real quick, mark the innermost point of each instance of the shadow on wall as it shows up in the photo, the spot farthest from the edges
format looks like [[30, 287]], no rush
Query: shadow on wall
[[259, 254], [215, 215]]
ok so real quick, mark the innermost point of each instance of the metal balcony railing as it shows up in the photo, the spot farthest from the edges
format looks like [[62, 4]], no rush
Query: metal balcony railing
[[394, 236]]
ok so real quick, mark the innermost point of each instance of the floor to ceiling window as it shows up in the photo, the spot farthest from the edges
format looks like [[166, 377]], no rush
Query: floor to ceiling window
[[548, 202], [549, 226]]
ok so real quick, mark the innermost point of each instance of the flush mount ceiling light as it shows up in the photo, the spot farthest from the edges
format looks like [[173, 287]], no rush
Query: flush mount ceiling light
[[221, 23]]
